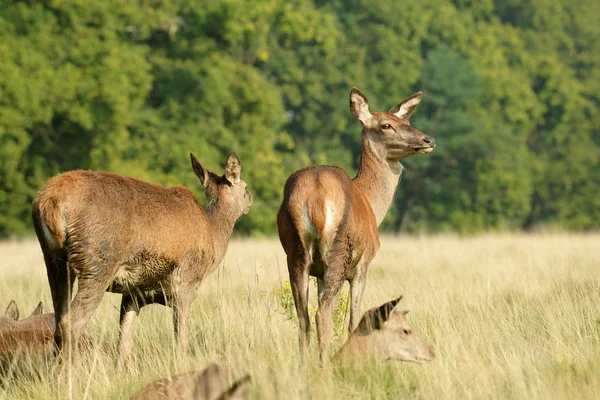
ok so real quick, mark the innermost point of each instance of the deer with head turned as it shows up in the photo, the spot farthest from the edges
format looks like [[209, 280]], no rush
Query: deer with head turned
[[384, 334], [328, 223], [195, 385], [150, 243]]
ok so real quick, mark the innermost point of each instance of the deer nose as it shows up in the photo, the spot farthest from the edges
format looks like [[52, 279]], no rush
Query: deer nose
[[430, 141]]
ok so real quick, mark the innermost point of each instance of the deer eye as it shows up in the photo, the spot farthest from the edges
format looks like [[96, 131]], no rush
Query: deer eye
[[386, 126], [407, 332]]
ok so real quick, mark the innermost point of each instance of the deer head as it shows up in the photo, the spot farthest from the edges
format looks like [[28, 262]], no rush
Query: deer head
[[390, 133], [385, 334], [228, 190]]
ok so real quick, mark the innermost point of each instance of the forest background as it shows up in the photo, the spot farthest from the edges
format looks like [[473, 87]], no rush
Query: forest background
[[511, 96]]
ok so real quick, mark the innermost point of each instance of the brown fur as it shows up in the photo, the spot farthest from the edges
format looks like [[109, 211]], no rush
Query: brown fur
[[34, 333], [328, 223], [383, 333], [151, 243], [195, 385]]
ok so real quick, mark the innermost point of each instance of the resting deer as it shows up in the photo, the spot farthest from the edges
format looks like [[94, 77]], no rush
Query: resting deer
[[328, 223], [383, 333], [195, 385], [151, 243], [32, 333]]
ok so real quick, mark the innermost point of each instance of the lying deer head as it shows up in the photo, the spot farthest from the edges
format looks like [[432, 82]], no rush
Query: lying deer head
[[385, 334], [31, 333], [390, 132], [11, 315]]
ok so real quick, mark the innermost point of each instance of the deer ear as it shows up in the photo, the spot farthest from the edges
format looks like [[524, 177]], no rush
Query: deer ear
[[12, 311], [359, 105], [405, 109], [240, 390], [201, 172], [38, 310], [374, 318], [233, 168], [210, 382]]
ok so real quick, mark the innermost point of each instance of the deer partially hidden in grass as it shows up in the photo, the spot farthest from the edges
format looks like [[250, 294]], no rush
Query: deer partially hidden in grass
[[195, 385], [384, 334], [32, 333], [151, 243], [328, 223]]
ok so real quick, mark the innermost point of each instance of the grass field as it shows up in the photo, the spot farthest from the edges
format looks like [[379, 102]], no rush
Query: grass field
[[509, 316]]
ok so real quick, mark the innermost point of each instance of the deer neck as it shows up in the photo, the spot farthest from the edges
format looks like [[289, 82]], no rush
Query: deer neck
[[222, 221], [377, 177], [359, 348]]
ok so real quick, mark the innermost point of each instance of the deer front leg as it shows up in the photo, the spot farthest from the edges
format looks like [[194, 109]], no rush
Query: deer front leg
[[130, 309], [181, 311]]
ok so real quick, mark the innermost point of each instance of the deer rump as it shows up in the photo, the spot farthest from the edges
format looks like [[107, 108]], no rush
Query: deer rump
[[324, 212]]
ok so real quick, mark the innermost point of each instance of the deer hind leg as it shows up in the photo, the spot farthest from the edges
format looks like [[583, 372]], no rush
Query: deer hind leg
[[59, 278], [61, 287], [324, 317], [91, 288], [181, 311], [298, 267]]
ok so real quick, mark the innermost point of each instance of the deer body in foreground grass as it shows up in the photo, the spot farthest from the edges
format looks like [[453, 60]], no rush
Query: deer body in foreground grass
[[195, 385], [328, 223], [383, 333], [151, 243]]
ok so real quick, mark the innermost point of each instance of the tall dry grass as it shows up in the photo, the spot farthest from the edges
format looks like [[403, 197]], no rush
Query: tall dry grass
[[509, 316]]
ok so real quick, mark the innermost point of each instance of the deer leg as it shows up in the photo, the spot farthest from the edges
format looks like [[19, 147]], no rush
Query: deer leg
[[130, 309], [324, 317], [320, 288], [181, 311], [298, 268], [61, 287], [89, 294], [357, 288]]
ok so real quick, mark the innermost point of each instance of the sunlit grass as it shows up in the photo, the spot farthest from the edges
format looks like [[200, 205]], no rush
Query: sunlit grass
[[509, 316]]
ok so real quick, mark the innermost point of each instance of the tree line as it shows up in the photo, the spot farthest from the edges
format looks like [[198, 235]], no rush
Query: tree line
[[512, 98]]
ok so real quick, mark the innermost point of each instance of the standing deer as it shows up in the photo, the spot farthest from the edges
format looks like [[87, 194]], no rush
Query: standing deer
[[328, 223], [151, 243], [383, 333]]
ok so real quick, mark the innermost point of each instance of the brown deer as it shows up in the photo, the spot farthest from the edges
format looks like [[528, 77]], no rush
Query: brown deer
[[383, 333], [32, 333], [328, 223], [195, 385], [151, 243]]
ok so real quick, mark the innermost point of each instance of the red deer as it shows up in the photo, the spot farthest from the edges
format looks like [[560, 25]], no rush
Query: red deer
[[328, 223], [32, 333], [150, 243], [195, 385], [384, 334]]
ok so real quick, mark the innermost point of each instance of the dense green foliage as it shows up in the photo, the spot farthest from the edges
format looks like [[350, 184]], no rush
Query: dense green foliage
[[512, 97]]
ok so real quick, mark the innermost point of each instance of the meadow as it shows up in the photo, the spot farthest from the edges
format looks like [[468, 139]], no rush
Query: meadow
[[508, 315]]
